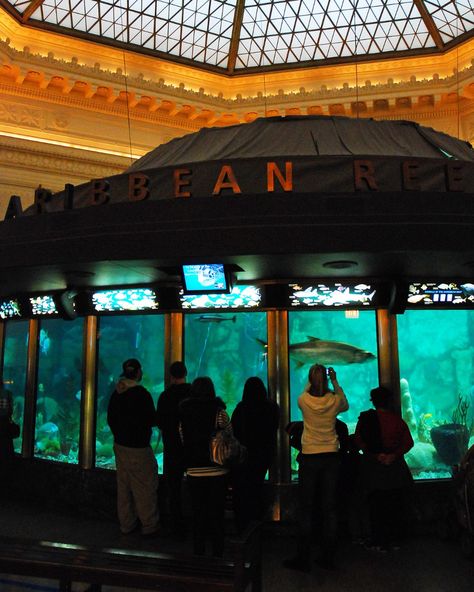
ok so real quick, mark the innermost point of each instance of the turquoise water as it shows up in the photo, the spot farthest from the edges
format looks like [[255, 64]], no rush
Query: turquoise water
[[120, 338], [436, 351], [226, 347], [14, 368]]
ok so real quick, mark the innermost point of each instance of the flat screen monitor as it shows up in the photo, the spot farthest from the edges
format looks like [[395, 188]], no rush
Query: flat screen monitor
[[441, 294], [125, 300], [10, 308], [206, 278], [336, 295]]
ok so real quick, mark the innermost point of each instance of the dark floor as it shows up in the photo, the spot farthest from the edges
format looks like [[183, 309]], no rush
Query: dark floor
[[423, 564]]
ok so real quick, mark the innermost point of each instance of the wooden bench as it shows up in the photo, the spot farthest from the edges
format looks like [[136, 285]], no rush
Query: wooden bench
[[146, 570]]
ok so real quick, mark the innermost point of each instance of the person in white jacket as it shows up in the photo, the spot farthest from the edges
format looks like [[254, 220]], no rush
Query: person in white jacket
[[319, 464]]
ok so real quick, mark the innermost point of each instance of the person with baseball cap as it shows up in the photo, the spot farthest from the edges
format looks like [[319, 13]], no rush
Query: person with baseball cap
[[131, 417]]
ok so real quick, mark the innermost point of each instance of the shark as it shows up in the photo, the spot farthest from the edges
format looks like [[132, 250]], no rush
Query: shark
[[328, 353]]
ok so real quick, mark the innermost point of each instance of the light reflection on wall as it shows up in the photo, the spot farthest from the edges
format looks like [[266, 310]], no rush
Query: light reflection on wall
[[240, 297]]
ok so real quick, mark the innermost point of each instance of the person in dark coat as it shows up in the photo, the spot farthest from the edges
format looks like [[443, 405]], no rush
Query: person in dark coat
[[200, 415], [131, 416], [167, 418], [384, 438], [6, 437], [255, 424]]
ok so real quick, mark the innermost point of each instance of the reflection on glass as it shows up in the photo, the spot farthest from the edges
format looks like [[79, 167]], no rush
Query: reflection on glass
[[43, 305], [122, 337], [436, 350], [9, 309], [439, 294], [58, 399], [227, 347], [240, 297], [347, 344], [333, 295], [14, 369], [125, 300]]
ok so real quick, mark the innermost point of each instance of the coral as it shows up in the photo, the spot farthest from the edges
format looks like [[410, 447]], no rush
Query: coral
[[407, 408], [425, 423], [460, 412]]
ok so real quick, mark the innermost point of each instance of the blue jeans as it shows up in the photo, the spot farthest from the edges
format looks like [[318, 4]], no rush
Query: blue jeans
[[317, 498]]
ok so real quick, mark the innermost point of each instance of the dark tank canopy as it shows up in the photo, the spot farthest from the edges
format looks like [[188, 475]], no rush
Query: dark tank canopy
[[280, 198]]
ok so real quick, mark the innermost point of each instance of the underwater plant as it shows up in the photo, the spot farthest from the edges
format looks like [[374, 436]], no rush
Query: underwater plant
[[461, 411]]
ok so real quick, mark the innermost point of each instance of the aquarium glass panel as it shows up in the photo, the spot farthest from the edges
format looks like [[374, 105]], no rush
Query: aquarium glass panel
[[436, 349], [58, 397], [14, 369], [345, 340], [119, 338], [228, 347]]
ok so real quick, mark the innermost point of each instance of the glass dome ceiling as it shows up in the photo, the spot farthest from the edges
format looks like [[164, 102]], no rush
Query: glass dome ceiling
[[237, 35]]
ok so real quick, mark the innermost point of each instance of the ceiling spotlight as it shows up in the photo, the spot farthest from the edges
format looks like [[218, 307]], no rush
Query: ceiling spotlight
[[339, 264]]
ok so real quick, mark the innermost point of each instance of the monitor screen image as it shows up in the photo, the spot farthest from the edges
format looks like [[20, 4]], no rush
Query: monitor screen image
[[331, 295], [205, 279], [9, 309], [240, 297], [43, 305], [132, 299], [440, 294]]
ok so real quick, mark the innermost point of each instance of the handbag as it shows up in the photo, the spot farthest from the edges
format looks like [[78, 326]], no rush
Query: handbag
[[224, 448]]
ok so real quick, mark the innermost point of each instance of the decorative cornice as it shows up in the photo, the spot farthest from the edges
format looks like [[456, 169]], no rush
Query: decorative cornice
[[180, 92], [58, 159]]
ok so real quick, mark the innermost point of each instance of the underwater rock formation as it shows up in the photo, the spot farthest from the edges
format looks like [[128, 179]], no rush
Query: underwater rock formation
[[407, 408]]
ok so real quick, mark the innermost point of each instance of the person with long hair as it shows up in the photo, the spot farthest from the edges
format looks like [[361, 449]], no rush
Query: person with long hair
[[200, 415], [319, 464], [255, 423]]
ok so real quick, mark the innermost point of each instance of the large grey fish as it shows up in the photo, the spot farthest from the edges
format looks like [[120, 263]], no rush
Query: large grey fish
[[214, 318], [328, 353]]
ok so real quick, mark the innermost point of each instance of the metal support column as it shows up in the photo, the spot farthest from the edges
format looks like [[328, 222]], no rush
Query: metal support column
[[174, 342], [29, 416], [278, 382], [387, 338], [88, 398]]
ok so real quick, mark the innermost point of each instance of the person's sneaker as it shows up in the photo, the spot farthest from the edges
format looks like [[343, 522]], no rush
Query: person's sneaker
[[297, 564]]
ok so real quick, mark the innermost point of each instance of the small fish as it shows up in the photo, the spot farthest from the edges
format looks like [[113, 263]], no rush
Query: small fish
[[361, 287], [328, 353], [211, 318]]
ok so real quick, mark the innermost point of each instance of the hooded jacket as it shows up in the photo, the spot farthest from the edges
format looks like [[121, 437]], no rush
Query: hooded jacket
[[319, 417], [131, 414]]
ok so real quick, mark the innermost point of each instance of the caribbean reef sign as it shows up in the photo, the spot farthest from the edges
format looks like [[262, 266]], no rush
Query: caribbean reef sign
[[260, 176]]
